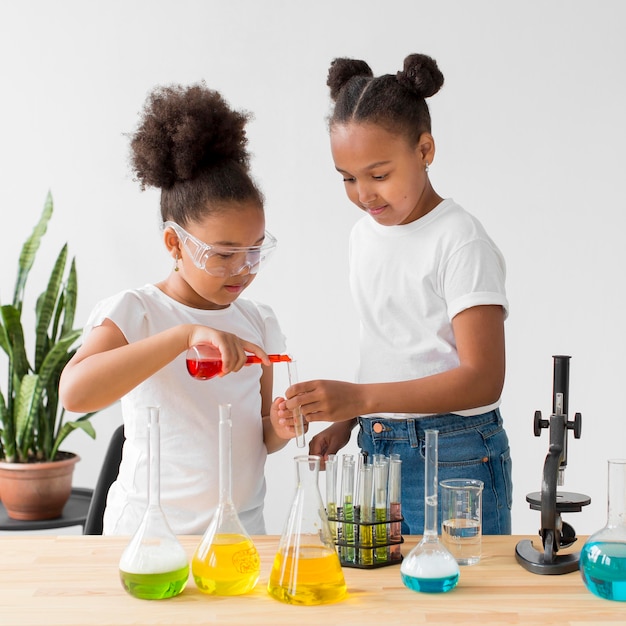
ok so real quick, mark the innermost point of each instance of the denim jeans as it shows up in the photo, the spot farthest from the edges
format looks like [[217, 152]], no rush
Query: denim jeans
[[468, 447]]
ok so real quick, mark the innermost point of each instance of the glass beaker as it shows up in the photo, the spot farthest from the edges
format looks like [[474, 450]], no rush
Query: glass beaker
[[306, 567], [154, 564], [603, 557], [226, 562], [430, 567]]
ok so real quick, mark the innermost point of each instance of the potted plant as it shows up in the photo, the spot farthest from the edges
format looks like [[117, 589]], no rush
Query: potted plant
[[32, 425]]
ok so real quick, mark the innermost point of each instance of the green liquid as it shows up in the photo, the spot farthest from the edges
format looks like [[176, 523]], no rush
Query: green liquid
[[381, 535], [155, 586], [348, 529]]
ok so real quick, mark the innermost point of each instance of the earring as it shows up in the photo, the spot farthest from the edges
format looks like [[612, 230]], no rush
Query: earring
[[426, 168], [176, 263]]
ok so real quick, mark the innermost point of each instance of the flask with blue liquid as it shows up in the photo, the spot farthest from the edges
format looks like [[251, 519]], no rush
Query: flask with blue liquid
[[603, 557]]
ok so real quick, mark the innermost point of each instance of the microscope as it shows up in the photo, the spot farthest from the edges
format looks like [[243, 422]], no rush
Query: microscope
[[555, 533]]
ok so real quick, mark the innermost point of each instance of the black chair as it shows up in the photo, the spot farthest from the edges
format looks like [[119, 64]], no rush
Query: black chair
[[108, 473]]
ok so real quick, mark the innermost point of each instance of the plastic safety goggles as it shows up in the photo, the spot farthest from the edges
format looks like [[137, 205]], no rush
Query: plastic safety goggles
[[223, 261]]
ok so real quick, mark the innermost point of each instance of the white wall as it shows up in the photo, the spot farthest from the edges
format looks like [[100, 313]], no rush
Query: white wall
[[530, 133]]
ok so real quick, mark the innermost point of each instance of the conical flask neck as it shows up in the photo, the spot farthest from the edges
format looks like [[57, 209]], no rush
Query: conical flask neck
[[617, 493]]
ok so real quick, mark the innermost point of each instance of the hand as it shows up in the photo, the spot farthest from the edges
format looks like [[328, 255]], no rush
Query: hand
[[331, 440], [283, 422], [324, 400], [232, 349]]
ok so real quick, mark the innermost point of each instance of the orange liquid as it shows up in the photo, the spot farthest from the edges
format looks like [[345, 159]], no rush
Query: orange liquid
[[230, 567], [313, 576]]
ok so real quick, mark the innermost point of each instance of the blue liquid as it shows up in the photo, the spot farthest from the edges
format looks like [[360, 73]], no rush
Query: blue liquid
[[603, 568], [430, 585]]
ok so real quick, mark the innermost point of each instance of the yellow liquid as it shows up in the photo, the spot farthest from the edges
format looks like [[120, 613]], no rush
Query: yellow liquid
[[313, 576], [230, 567]]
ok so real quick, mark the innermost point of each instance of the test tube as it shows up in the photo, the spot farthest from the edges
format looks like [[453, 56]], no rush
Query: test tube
[[366, 555], [381, 470], [331, 493], [395, 508], [347, 498], [298, 418]]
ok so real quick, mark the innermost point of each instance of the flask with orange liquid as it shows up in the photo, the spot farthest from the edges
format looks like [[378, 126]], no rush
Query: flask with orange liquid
[[306, 568]]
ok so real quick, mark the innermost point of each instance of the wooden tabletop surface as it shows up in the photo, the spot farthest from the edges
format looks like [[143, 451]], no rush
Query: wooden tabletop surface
[[73, 580]]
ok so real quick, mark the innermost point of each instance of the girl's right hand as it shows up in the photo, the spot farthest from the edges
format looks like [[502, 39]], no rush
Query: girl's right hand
[[233, 349]]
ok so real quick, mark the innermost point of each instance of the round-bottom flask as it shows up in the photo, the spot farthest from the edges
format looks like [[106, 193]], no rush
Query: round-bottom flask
[[603, 557], [430, 567], [306, 569], [154, 564], [226, 563]]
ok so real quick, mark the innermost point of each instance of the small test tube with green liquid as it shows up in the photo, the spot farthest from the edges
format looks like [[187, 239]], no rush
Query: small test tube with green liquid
[[381, 469], [347, 499], [366, 555]]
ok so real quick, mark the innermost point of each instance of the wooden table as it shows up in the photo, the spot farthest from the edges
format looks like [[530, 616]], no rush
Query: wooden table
[[73, 580]]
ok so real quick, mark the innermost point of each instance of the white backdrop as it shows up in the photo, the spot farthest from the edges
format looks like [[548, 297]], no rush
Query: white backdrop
[[530, 134]]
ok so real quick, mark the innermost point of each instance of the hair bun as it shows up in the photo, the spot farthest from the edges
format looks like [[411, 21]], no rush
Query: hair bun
[[184, 130], [342, 70], [421, 75]]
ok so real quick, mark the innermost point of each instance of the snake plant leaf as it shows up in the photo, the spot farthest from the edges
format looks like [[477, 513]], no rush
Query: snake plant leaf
[[26, 407], [29, 251], [69, 427], [15, 346], [46, 306], [70, 298]]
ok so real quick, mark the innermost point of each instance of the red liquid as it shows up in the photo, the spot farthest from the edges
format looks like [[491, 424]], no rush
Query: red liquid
[[204, 369]]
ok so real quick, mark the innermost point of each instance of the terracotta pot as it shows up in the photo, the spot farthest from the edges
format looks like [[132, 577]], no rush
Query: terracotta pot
[[37, 491]]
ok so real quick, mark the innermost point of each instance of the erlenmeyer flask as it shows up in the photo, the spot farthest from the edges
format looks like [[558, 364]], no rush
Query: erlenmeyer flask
[[226, 563], [306, 568], [430, 567], [603, 557], [154, 564]]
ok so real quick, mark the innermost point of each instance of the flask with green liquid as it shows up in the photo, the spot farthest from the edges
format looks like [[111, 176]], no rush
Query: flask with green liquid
[[154, 564]]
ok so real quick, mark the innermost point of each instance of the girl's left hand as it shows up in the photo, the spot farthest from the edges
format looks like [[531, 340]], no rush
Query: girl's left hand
[[283, 421]]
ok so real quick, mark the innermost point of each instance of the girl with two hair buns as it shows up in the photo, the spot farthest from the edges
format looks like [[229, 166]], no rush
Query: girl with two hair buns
[[429, 287], [193, 147]]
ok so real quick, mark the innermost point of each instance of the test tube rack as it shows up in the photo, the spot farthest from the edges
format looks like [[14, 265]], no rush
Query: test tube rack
[[367, 544]]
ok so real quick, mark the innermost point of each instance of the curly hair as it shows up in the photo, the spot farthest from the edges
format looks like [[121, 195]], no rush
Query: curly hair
[[190, 144], [396, 103]]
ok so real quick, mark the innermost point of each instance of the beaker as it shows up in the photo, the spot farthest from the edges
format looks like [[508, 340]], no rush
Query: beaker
[[226, 562], [603, 557], [306, 569], [429, 567], [154, 564]]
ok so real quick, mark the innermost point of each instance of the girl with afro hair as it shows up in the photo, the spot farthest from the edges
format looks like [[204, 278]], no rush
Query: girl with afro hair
[[192, 146]]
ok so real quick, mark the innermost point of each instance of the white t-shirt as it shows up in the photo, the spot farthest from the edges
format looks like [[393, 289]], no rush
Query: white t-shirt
[[189, 417], [409, 281]]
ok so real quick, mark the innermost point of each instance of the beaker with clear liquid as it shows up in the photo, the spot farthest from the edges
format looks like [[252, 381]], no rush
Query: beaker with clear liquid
[[603, 557], [430, 567], [306, 569], [226, 562], [154, 565]]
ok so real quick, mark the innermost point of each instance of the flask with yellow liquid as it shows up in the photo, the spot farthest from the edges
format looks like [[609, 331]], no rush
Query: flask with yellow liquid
[[306, 568], [226, 563]]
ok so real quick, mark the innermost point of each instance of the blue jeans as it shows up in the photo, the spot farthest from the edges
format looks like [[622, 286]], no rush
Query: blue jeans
[[469, 447]]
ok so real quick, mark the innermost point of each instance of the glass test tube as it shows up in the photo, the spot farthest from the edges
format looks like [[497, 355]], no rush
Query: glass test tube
[[395, 507], [366, 555], [347, 499], [331, 493], [298, 418], [381, 470]]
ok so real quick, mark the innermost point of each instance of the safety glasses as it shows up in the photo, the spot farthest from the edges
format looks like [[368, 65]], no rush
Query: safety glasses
[[224, 261]]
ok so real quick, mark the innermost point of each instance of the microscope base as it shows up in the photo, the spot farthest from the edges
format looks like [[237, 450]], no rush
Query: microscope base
[[534, 561]]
